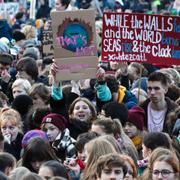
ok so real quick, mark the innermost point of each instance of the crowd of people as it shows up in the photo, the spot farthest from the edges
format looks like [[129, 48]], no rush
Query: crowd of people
[[122, 125]]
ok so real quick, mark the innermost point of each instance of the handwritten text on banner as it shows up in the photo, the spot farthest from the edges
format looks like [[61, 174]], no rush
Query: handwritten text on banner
[[141, 37]]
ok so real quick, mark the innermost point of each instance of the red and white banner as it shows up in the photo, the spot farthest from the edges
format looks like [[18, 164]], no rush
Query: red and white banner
[[141, 38]]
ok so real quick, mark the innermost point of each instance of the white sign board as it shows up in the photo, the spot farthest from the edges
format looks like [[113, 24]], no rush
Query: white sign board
[[10, 8]]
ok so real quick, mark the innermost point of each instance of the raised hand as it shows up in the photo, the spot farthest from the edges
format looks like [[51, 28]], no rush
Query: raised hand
[[52, 73], [100, 74]]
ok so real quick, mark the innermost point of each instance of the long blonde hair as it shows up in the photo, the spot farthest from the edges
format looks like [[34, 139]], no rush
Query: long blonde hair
[[95, 148]]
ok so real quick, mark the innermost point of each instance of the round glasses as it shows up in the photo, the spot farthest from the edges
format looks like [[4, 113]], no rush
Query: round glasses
[[164, 172]]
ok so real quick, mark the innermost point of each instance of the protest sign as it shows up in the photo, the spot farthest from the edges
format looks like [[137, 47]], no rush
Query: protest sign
[[32, 12], [176, 5], [74, 40], [9, 8], [141, 38], [47, 42]]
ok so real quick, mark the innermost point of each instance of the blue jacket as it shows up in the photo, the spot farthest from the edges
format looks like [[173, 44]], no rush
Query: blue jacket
[[5, 30]]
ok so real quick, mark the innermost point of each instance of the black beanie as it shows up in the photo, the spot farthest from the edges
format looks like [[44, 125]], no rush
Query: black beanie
[[22, 104]]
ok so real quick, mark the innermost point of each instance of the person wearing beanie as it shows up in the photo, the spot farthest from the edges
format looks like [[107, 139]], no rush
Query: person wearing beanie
[[23, 104], [55, 127], [33, 134], [134, 126]]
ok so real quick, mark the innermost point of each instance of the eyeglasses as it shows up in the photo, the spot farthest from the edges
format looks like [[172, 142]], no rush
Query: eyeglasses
[[164, 172]]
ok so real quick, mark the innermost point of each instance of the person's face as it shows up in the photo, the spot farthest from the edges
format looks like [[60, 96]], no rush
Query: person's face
[[36, 165], [145, 151], [3, 67], [130, 129], [163, 171], [82, 155], [23, 75], [38, 101], [59, 6], [42, 2], [86, 154], [98, 130], [9, 130], [114, 173], [45, 172], [52, 131], [18, 90], [156, 91], [129, 174], [132, 72], [81, 111], [114, 65]]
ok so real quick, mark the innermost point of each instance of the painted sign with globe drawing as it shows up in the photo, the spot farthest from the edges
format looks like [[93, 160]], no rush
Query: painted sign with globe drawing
[[75, 44]]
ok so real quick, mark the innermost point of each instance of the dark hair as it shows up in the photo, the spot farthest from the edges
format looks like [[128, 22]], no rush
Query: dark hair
[[35, 117], [84, 138], [18, 35], [19, 15], [158, 76], [57, 168], [154, 140], [3, 176], [37, 150], [112, 83], [116, 110], [28, 65], [173, 92], [6, 160], [65, 3], [1, 137]]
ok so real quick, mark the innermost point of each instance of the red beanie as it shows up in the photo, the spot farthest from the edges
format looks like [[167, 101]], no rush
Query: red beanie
[[136, 116], [56, 119]]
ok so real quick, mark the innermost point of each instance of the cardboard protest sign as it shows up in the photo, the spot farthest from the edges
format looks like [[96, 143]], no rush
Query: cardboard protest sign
[[141, 38], [75, 44], [47, 42], [10, 8]]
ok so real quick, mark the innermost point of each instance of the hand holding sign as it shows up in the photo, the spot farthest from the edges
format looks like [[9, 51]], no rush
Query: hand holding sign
[[52, 74], [100, 75]]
